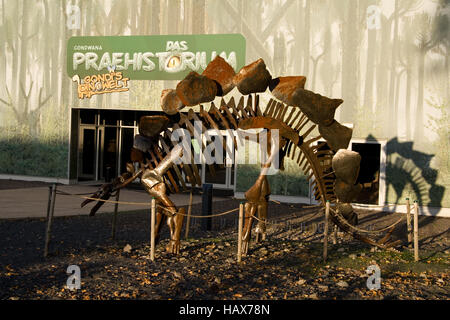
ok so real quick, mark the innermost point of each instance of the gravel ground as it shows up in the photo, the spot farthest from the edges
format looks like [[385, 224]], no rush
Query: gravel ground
[[288, 265]]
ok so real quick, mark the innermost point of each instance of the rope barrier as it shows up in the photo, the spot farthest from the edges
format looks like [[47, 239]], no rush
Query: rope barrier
[[145, 204], [228, 212], [363, 230], [74, 194], [376, 206], [196, 216]]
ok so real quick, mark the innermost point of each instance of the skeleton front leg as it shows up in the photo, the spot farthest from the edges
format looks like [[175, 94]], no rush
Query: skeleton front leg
[[153, 182]]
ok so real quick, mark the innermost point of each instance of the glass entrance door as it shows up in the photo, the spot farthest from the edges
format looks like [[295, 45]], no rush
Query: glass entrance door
[[224, 173], [88, 153]]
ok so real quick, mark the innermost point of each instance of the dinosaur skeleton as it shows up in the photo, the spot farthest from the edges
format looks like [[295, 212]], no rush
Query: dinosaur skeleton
[[294, 111]]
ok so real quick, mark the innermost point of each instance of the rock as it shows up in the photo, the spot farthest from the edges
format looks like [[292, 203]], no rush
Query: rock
[[336, 135], [318, 109], [341, 249], [196, 89], [342, 284], [362, 254], [283, 88], [346, 165], [127, 248], [151, 126], [301, 281], [352, 256], [252, 78], [170, 102], [313, 296], [322, 288], [346, 193], [222, 73]]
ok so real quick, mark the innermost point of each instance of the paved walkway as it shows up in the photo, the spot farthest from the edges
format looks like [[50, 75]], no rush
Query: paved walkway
[[32, 202]]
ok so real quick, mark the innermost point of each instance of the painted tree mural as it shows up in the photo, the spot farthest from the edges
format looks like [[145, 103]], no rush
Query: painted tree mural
[[394, 77]]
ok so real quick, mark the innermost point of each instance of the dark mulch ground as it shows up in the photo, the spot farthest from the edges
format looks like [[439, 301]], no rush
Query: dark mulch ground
[[286, 266]]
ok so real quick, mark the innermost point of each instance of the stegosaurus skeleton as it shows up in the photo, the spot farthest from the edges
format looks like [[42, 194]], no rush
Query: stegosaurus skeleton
[[155, 152]]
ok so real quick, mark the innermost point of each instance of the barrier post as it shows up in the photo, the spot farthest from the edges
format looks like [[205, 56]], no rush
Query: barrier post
[[325, 231], [207, 206], [114, 222], [50, 213], [241, 218], [416, 231], [188, 221], [408, 222], [152, 230]]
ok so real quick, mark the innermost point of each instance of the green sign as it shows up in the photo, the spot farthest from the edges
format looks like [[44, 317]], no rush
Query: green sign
[[162, 57]]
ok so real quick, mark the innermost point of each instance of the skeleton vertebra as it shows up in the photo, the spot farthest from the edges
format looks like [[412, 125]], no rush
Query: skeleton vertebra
[[296, 114]]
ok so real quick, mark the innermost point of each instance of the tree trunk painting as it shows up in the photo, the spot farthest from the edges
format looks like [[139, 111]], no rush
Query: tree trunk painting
[[392, 123], [306, 40], [350, 60], [198, 16], [419, 114]]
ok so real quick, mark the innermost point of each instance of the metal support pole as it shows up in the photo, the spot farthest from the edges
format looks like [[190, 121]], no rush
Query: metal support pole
[[416, 231], [49, 203], [241, 218], [50, 213], [114, 222], [408, 222], [207, 206], [152, 230], [325, 231], [188, 221]]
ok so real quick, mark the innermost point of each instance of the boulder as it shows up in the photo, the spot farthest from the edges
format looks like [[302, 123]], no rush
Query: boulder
[[170, 102], [283, 88], [252, 78], [346, 165], [318, 109], [222, 73], [337, 135], [151, 126], [346, 192], [196, 89]]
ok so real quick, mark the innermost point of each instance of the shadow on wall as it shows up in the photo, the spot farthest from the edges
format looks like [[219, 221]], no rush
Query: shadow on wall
[[33, 157], [409, 174]]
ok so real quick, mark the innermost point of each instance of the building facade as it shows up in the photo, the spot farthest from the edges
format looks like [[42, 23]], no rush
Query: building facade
[[388, 61]]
